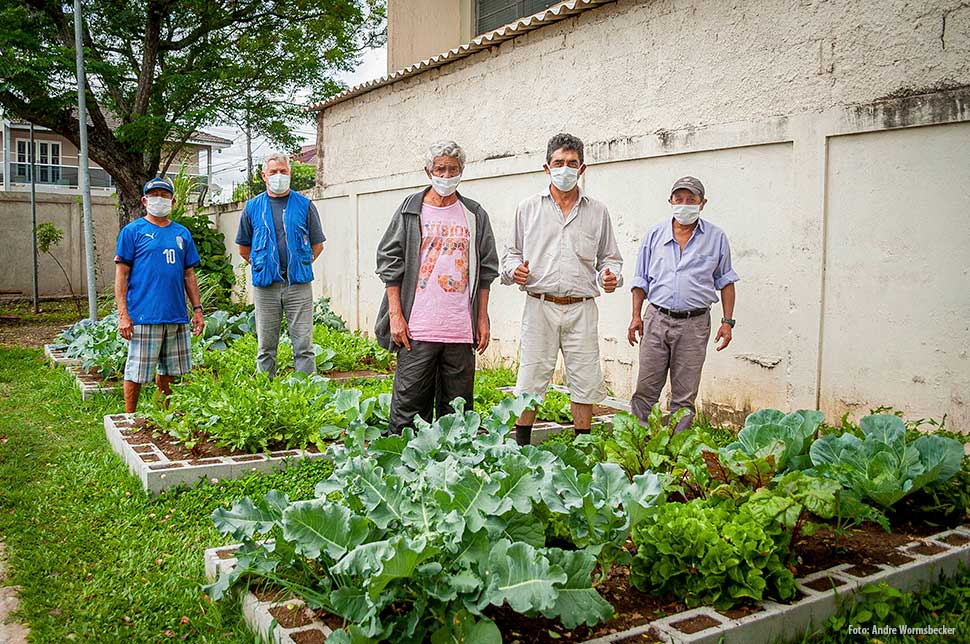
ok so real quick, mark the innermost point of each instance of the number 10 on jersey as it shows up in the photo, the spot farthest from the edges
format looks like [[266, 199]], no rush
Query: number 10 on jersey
[[169, 255]]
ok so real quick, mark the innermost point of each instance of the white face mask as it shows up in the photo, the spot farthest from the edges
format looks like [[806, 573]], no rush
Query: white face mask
[[159, 206], [564, 178], [278, 183], [686, 213], [445, 186]]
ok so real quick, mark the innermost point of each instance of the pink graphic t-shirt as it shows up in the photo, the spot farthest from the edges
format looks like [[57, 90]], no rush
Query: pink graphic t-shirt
[[442, 303]]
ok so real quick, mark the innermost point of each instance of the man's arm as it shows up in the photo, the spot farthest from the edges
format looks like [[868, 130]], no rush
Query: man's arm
[[512, 257], [727, 304], [608, 257], [125, 327], [400, 333], [482, 324], [192, 290], [635, 332], [245, 250], [316, 248]]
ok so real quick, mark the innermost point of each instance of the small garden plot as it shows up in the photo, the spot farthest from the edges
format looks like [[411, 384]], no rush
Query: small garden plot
[[160, 464], [451, 532]]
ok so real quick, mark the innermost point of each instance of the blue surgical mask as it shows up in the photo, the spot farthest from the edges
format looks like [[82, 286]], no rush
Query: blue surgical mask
[[564, 178], [278, 183], [686, 213], [445, 186]]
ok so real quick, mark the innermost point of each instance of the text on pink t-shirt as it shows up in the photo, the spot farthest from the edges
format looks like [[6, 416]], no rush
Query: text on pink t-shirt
[[442, 303]]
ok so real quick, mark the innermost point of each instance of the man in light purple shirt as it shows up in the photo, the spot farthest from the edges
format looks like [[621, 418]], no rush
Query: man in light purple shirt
[[683, 263]]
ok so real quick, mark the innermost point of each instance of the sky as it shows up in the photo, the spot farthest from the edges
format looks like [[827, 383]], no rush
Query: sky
[[229, 164]]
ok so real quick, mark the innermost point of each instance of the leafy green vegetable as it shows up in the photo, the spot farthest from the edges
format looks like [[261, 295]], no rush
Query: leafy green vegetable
[[323, 315], [883, 466], [412, 537], [786, 438]]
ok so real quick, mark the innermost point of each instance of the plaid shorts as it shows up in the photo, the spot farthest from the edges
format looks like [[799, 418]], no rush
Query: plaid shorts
[[167, 345]]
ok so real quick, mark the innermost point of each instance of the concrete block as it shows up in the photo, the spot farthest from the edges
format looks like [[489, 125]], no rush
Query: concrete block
[[58, 357]]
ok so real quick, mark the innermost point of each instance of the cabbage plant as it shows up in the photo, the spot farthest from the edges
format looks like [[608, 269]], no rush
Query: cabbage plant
[[882, 466], [414, 537]]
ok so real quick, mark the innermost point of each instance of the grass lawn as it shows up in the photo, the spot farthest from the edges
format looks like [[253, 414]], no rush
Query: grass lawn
[[98, 560]]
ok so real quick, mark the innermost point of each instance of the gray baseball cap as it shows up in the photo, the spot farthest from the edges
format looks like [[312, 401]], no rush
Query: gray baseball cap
[[689, 183]]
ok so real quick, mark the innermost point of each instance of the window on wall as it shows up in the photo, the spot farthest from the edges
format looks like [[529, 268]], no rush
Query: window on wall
[[492, 14]]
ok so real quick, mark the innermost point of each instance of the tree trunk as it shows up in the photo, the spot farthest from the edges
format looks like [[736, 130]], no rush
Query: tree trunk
[[129, 187]]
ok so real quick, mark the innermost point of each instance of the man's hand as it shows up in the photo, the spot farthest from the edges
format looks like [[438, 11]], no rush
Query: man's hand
[[521, 274], [635, 333], [198, 322], [609, 281], [484, 333], [125, 327], [400, 333], [723, 333]]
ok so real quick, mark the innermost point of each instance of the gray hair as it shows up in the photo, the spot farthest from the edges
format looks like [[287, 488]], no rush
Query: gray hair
[[276, 156], [444, 149], [563, 141]]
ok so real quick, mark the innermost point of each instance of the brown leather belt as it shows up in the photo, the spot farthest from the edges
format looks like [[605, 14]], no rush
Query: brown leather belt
[[559, 300]]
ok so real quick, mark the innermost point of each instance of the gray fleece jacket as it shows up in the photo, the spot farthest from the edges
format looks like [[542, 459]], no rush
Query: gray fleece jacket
[[399, 258]]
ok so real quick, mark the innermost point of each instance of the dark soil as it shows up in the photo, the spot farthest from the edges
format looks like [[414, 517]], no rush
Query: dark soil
[[955, 539], [868, 545], [292, 615], [695, 624], [632, 607], [21, 327], [204, 449], [311, 636]]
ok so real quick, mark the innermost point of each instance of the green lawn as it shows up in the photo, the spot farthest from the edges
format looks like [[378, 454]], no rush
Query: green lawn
[[99, 560]]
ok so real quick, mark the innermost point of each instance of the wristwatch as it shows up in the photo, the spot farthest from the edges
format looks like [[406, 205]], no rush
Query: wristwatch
[[729, 321], [199, 308]]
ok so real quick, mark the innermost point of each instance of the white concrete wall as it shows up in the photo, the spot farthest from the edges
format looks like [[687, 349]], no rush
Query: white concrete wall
[[832, 138]]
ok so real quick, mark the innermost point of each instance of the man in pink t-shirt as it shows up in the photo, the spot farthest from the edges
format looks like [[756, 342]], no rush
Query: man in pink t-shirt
[[437, 260]]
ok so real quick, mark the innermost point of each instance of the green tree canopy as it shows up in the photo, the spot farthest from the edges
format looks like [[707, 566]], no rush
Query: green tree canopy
[[159, 70]]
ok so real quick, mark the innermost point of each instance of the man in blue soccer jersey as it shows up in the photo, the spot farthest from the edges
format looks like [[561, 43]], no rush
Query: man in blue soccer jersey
[[154, 270]]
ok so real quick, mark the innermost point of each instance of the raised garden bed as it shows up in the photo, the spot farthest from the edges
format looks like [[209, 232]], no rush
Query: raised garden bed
[[90, 384], [57, 356], [161, 464], [821, 595]]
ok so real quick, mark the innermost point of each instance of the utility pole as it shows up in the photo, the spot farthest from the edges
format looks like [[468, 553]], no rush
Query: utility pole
[[84, 179], [249, 158], [33, 213]]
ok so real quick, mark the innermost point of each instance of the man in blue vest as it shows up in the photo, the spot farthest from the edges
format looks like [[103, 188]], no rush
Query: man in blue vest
[[280, 236]]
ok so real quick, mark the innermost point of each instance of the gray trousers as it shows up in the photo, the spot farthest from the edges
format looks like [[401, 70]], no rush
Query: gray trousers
[[272, 302], [677, 346], [427, 379]]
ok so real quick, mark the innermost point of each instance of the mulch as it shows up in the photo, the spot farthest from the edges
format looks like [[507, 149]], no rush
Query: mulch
[[144, 433]]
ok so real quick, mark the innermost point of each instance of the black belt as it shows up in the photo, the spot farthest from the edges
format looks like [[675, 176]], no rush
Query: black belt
[[681, 315]]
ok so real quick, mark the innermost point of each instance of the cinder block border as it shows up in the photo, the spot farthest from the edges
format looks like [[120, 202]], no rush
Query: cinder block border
[[772, 623], [89, 386], [57, 357], [157, 472]]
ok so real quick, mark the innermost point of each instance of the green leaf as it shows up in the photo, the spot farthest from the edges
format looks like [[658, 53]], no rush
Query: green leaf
[[244, 519], [464, 628], [473, 496], [521, 576], [577, 602], [319, 525]]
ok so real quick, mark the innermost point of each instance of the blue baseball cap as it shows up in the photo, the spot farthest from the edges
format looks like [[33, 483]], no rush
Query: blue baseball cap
[[160, 183]]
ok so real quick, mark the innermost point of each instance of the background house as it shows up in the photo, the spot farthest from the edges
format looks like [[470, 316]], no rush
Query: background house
[[56, 160], [833, 137], [58, 202]]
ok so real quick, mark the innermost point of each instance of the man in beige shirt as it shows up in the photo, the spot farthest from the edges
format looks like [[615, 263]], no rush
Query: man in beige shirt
[[561, 252]]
